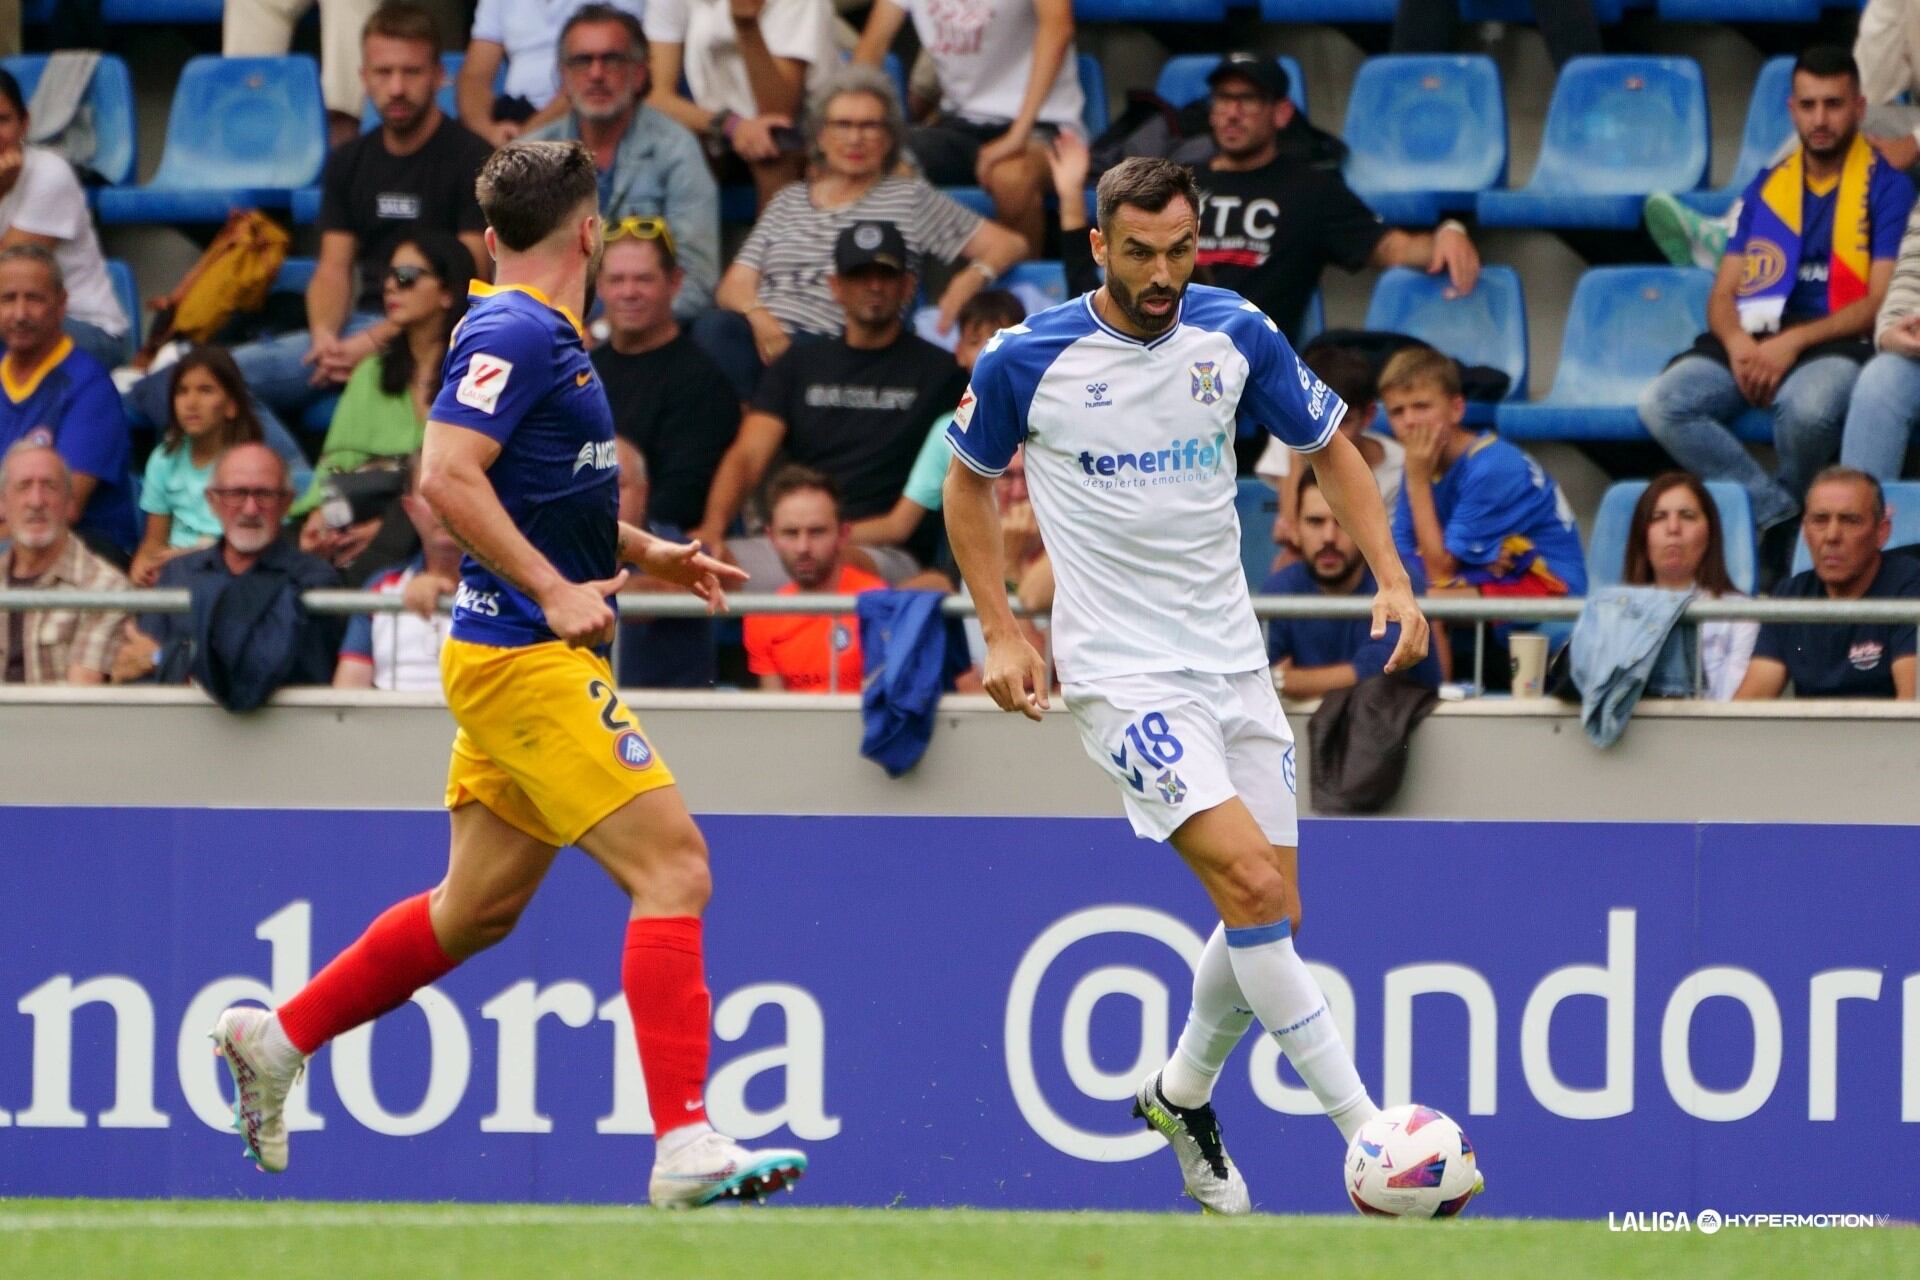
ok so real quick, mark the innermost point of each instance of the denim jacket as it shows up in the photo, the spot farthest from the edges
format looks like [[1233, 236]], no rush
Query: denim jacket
[[1625, 644]]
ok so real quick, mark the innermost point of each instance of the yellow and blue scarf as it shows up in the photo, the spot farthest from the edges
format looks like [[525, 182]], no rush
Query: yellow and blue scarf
[[1773, 245]]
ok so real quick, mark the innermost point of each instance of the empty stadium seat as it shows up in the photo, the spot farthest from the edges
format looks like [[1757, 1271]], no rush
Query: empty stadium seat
[[1617, 129], [1768, 125], [129, 297], [1038, 281], [110, 99], [1623, 325], [1426, 134], [305, 204], [242, 133], [1486, 327], [1739, 10], [156, 12], [1334, 11], [1150, 10], [1613, 526], [1607, 12], [1183, 78], [1903, 507], [450, 64], [294, 276]]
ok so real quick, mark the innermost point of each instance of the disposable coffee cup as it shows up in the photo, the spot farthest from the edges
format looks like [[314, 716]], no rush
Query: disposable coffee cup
[[1529, 655]]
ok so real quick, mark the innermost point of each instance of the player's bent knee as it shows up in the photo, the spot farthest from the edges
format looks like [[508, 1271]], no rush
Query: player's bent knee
[[1252, 891], [465, 927]]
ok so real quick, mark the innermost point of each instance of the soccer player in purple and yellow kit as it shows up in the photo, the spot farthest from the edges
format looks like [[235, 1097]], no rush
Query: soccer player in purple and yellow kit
[[519, 464]]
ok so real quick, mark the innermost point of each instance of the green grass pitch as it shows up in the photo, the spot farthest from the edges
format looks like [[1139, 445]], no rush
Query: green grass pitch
[[100, 1240]]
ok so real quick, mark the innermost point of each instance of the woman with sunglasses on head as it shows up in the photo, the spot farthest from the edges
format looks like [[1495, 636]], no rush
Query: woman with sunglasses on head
[[1676, 545], [382, 415]]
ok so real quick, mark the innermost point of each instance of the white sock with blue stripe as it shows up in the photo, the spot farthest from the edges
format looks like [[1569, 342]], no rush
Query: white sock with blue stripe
[[1291, 1006], [1216, 1021]]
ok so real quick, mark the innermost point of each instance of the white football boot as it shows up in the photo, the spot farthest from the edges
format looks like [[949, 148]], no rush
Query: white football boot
[[714, 1167], [260, 1085], [1194, 1134]]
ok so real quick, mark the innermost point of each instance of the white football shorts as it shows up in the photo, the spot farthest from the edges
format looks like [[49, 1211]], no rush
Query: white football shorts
[[1178, 743]]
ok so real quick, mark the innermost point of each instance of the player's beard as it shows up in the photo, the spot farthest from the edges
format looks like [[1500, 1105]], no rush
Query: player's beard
[[1138, 316]]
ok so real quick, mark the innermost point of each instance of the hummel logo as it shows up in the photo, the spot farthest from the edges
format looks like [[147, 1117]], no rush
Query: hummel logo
[[1097, 393]]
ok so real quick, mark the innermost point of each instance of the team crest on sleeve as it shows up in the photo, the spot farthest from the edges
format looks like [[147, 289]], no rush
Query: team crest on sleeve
[[486, 379], [1206, 381], [631, 750], [963, 412]]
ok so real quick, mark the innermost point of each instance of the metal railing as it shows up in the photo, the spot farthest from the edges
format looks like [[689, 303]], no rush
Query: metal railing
[[1477, 610]]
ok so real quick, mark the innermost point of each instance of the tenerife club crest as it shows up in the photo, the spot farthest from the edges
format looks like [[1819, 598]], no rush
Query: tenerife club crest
[[1206, 381]]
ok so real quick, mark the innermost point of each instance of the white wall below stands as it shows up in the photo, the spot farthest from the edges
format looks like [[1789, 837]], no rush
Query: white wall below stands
[[756, 753]]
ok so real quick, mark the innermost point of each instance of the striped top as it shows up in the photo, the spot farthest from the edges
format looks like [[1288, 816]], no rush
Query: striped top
[[1903, 291], [791, 246]]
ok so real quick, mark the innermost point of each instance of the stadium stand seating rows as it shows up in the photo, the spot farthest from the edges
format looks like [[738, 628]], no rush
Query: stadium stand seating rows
[[109, 99]]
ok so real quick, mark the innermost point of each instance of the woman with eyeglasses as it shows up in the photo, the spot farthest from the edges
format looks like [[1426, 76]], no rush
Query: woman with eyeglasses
[[382, 415], [777, 285]]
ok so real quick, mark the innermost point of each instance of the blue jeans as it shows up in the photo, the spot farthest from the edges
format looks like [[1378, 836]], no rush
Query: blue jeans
[[1882, 418], [727, 339], [1688, 409], [96, 342], [275, 372]]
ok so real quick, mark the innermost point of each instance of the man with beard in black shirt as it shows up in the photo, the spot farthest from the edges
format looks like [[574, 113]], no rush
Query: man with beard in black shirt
[[1270, 221], [672, 403], [856, 407]]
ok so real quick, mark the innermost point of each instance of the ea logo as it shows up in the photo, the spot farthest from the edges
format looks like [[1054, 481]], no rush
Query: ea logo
[[631, 750], [1763, 267]]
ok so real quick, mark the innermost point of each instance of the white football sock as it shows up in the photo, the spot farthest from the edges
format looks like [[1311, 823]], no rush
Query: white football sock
[[1215, 1023], [1294, 1011], [672, 1141]]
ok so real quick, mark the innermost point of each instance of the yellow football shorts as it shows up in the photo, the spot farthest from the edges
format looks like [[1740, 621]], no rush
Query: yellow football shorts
[[544, 740]]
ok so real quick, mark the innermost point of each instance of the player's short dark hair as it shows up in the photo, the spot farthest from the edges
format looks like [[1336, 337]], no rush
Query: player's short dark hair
[[528, 189], [1000, 308], [404, 20], [1349, 373], [1413, 366], [1145, 182], [795, 478], [596, 12], [1837, 473], [1827, 60]]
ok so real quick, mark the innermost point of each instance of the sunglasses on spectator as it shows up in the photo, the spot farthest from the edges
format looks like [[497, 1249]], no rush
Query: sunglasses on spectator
[[240, 497], [635, 227], [586, 61], [407, 276]]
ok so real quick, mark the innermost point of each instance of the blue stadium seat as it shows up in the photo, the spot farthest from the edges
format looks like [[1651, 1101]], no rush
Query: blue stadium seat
[[1739, 10], [1623, 325], [1035, 281], [1613, 525], [110, 97], [157, 12], [1150, 10], [1256, 504], [1426, 135], [1903, 505], [1331, 11], [294, 276], [1183, 78], [1487, 327], [450, 64], [1768, 125], [305, 205], [1607, 12], [1617, 129], [1314, 322], [243, 133], [129, 297]]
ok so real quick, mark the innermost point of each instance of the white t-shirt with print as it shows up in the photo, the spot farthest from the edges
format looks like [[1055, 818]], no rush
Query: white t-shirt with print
[[983, 52], [715, 71], [46, 200]]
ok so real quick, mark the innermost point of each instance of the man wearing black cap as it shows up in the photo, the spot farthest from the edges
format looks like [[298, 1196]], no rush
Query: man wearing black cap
[[856, 407], [1272, 221]]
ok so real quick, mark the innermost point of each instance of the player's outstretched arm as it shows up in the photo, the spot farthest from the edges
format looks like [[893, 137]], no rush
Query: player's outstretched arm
[[1015, 675], [681, 563], [453, 480], [1347, 482]]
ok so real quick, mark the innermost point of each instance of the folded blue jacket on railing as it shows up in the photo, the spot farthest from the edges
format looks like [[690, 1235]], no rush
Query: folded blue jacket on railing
[[1626, 644], [907, 658]]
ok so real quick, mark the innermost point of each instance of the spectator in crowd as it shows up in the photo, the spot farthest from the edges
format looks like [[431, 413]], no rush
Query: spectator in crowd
[[1888, 51], [264, 28], [984, 315], [382, 415], [778, 285], [1318, 655], [41, 203], [48, 646], [809, 653], [1790, 311], [414, 173], [650, 167], [522, 35], [749, 66], [402, 650], [856, 407], [251, 492], [211, 414], [1350, 374], [53, 392], [678, 414], [1009, 81], [1846, 526], [1676, 544], [1885, 406], [1568, 26], [1476, 514]]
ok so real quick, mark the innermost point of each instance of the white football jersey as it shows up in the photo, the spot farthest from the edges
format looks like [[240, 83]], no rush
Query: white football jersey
[[1130, 468]]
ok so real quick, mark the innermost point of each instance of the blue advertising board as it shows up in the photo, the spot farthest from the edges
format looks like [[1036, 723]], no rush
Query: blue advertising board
[[1624, 1017]]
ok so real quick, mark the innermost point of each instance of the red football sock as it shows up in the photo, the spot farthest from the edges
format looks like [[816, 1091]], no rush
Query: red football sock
[[394, 958], [666, 988]]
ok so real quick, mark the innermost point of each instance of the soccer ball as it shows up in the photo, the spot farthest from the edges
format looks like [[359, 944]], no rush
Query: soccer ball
[[1410, 1162]]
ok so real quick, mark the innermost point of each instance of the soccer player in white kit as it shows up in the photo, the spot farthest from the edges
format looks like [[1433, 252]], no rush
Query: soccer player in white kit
[[1127, 401]]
